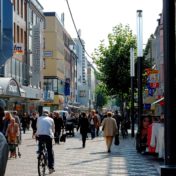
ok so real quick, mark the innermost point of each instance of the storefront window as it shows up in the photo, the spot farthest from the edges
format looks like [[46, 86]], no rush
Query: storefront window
[[55, 85]]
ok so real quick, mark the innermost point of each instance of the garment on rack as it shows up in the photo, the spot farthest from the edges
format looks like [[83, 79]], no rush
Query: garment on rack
[[155, 131], [160, 142], [149, 136]]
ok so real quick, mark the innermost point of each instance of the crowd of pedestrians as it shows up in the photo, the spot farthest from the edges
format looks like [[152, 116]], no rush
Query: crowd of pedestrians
[[51, 126]]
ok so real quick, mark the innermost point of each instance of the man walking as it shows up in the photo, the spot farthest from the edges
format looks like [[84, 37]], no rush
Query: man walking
[[45, 133], [84, 126], [110, 129]]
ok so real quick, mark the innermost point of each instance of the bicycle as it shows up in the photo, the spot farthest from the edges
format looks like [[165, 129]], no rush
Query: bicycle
[[42, 160]]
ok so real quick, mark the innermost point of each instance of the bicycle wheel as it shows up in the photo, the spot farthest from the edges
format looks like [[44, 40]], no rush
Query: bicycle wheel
[[41, 164]]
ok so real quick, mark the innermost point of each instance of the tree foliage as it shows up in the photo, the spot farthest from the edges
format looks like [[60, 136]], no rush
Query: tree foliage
[[101, 95], [113, 61]]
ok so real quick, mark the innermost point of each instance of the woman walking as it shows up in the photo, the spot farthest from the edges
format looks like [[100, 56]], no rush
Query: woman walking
[[84, 126], [12, 137], [110, 129], [34, 123]]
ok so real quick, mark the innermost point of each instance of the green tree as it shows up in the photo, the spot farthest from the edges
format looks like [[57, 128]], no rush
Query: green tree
[[101, 95], [113, 61]]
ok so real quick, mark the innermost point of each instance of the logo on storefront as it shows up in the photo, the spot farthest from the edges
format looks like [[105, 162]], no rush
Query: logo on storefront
[[13, 88], [18, 48]]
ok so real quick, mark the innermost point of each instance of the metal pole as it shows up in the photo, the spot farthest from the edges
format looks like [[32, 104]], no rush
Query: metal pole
[[139, 68], [132, 74], [169, 88], [132, 106]]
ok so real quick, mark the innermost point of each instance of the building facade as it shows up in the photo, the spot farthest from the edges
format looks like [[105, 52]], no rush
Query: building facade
[[82, 83], [59, 63], [6, 34], [155, 91], [25, 63], [91, 79], [70, 69]]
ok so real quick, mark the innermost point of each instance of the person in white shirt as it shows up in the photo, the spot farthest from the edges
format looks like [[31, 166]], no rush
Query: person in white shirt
[[45, 134]]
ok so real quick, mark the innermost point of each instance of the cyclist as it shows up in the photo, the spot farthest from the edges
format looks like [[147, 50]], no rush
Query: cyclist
[[45, 134]]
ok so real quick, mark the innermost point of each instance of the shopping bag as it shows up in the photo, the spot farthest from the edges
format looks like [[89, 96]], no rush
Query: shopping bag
[[116, 140], [63, 137]]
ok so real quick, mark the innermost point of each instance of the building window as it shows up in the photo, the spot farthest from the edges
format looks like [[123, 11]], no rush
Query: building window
[[22, 36], [14, 4], [22, 8], [44, 63], [18, 34], [32, 16], [25, 11], [25, 39], [43, 43], [18, 7], [14, 32]]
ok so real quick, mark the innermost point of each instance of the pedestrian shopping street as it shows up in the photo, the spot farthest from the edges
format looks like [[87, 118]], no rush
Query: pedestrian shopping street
[[93, 160]]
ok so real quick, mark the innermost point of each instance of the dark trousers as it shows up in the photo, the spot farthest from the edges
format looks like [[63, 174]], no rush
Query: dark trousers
[[97, 131], [57, 136], [84, 136], [48, 141], [92, 130]]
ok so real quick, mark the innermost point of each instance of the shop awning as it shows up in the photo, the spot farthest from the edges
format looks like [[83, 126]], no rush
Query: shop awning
[[157, 101]]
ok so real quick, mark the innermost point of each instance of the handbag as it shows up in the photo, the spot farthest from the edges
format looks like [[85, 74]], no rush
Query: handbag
[[116, 141], [63, 137]]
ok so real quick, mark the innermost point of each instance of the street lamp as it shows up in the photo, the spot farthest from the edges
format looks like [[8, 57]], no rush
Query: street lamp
[[132, 74], [139, 66], [169, 87]]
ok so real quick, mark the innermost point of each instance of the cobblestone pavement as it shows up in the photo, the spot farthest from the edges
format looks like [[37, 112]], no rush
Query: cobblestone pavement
[[73, 160]]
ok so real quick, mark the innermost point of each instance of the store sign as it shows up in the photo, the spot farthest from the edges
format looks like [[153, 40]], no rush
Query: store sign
[[18, 48], [151, 71], [147, 106], [67, 87], [48, 54], [154, 85], [13, 88]]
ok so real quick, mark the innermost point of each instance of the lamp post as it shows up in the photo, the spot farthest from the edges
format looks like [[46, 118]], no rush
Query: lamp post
[[132, 74], [169, 169], [139, 67]]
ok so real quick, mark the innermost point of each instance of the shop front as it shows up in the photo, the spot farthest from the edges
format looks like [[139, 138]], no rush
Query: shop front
[[10, 93], [19, 98], [53, 102]]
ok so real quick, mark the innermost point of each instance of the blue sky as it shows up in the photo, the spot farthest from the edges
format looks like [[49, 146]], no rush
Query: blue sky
[[96, 18]]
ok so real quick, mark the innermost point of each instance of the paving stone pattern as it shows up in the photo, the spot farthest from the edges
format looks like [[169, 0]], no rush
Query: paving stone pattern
[[93, 160]]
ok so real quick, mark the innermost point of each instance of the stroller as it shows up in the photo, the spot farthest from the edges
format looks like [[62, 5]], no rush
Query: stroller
[[69, 128]]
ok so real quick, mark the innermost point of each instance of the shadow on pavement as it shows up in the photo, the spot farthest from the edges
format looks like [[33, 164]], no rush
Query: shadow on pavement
[[74, 148]]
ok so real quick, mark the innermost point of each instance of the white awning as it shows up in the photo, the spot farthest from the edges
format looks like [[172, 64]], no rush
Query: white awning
[[157, 101]]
